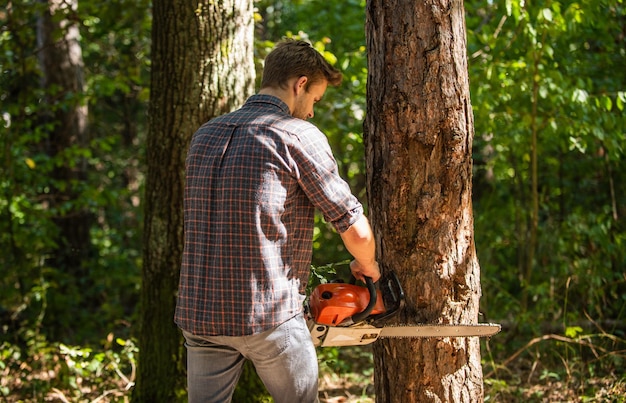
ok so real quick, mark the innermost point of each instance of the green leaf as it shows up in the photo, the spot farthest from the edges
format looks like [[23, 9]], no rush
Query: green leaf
[[608, 102], [621, 98], [546, 13], [580, 96], [31, 164], [573, 331]]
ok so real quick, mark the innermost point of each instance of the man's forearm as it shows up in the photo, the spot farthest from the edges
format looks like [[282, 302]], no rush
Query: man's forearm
[[360, 242]]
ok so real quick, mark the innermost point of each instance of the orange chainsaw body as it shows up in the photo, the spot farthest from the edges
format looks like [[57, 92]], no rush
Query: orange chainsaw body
[[330, 304]]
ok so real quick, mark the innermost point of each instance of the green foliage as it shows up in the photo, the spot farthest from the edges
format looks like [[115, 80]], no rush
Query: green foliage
[[540, 69], [346, 360], [551, 367], [116, 40], [43, 371]]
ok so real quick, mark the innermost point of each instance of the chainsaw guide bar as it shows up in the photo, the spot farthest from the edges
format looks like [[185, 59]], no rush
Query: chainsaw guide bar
[[356, 335]]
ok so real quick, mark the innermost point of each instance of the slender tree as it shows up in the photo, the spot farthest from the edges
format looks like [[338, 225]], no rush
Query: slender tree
[[202, 67], [419, 131]]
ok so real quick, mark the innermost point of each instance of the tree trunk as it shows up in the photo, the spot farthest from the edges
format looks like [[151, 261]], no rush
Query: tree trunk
[[202, 67], [419, 131], [61, 61]]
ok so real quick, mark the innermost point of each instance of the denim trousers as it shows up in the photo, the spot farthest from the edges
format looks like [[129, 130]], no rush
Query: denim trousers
[[284, 358]]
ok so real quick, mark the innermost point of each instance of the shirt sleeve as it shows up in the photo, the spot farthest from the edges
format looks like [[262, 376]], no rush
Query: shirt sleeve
[[316, 170]]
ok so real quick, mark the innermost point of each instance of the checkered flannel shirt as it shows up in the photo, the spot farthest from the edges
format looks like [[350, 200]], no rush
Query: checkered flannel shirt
[[253, 180]]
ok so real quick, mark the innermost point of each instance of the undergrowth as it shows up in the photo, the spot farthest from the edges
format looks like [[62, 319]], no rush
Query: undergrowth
[[42, 371], [550, 368]]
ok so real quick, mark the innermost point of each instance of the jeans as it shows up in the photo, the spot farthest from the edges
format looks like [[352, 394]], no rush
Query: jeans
[[284, 358]]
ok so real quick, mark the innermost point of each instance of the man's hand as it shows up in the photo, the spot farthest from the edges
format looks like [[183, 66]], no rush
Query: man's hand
[[358, 270]]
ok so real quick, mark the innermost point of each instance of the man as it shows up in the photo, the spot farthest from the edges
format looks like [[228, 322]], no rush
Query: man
[[253, 180]]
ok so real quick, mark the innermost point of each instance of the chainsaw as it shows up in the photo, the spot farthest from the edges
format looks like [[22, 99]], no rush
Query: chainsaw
[[347, 314]]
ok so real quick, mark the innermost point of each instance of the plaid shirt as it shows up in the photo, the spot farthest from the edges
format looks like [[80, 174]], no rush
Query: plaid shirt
[[253, 180]]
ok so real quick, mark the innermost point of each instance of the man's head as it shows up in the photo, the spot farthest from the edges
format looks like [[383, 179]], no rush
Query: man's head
[[293, 59], [298, 74]]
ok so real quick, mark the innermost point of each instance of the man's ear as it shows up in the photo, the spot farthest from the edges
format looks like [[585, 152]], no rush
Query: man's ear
[[300, 84]]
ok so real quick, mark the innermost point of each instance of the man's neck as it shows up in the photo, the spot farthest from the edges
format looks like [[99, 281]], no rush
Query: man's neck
[[286, 95], [278, 93]]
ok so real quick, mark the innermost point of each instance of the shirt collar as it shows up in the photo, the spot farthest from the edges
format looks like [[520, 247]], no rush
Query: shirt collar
[[269, 99]]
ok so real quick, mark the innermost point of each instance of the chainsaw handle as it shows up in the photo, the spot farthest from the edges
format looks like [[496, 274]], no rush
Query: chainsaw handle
[[370, 306]]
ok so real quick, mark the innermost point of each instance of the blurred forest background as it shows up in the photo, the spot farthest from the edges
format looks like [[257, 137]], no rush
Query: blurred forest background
[[548, 88]]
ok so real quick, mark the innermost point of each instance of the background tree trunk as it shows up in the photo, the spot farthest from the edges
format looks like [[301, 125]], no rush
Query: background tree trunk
[[202, 67], [419, 131], [61, 61]]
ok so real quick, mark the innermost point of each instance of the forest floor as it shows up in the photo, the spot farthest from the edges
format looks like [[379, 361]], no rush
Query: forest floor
[[347, 376], [521, 381], [354, 388], [358, 388]]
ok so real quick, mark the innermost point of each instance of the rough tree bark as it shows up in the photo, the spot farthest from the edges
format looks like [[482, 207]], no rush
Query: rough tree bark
[[419, 131], [202, 67]]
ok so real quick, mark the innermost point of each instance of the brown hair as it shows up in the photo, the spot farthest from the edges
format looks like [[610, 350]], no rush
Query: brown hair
[[295, 58]]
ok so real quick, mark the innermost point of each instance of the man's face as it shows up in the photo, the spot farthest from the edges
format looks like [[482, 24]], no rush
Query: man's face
[[305, 100]]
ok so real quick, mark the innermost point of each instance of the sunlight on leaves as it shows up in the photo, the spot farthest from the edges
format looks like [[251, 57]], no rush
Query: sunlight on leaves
[[580, 96], [573, 331]]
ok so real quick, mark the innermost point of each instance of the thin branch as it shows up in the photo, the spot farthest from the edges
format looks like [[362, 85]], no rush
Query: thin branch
[[580, 341]]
